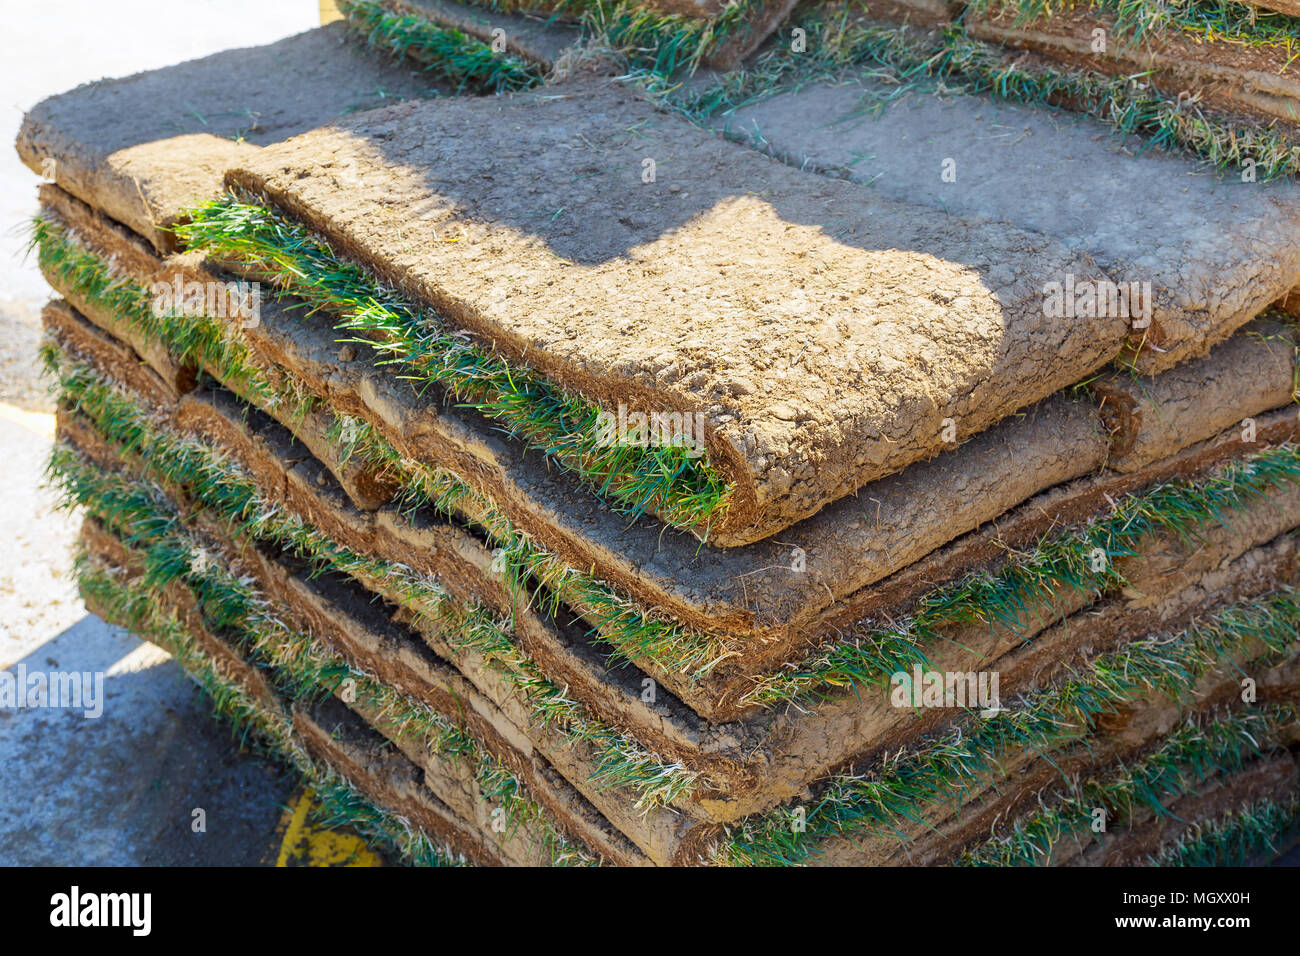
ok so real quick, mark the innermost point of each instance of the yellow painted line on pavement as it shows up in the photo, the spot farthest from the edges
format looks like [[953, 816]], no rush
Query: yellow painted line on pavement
[[307, 845], [290, 841]]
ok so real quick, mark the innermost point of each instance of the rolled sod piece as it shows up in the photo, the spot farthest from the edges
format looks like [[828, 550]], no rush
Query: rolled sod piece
[[1249, 563], [144, 148], [453, 632], [1257, 80], [846, 547], [587, 680], [1215, 252], [632, 258], [1150, 417], [338, 738]]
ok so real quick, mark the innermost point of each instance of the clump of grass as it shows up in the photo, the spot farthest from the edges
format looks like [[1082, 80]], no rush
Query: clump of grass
[[446, 53], [1193, 752], [665, 43], [215, 482], [1236, 838], [675, 483], [942, 770]]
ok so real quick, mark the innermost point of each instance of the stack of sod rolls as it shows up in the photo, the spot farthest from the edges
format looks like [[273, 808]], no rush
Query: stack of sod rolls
[[555, 480]]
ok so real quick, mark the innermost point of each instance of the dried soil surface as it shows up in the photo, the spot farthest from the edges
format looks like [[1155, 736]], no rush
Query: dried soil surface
[[1216, 250], [145, 147]]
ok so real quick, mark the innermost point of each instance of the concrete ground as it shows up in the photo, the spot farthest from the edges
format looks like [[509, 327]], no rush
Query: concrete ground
[[120, 789]]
